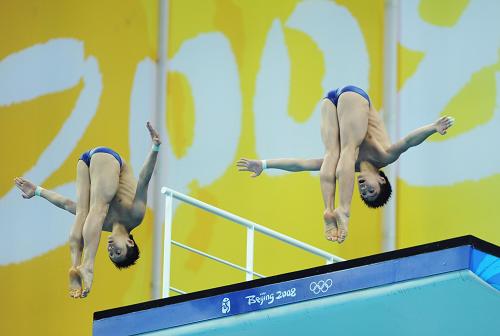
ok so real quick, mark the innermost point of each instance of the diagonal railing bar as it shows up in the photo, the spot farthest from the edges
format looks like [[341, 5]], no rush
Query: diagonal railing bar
[[222, 261], [177, 290]]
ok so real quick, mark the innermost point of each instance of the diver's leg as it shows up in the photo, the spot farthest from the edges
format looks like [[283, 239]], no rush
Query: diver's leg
[[76, 235], [104, 177], [331, 141], [353, 123]]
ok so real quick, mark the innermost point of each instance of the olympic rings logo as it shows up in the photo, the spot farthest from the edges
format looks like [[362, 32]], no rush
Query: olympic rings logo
[[321, 286]]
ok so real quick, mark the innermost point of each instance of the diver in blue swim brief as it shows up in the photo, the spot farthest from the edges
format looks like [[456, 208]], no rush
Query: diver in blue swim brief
[[355, 140], [334, 95], [108, 199], [88, 155]]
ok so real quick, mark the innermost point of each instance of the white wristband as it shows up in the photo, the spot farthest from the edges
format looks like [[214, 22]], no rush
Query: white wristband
[[264, 164], [155, 148], [38, 191]]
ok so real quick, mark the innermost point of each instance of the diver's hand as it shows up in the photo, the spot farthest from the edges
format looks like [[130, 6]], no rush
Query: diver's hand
[[443, 123], [254, 166], [27, 188], [155, 137]]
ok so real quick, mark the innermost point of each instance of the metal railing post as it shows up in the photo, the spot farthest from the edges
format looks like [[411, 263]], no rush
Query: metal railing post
[[390, 115], [167, 244], [250, 249]]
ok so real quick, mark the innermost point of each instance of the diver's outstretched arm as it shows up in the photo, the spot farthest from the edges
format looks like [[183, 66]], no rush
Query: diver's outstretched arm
[[418, 136], [291, 165], [141, 194], [28, 191]]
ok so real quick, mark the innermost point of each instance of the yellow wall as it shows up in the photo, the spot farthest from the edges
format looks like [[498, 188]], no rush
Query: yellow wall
[[288, 203], [229, 45], [447, 188], [117, 35]]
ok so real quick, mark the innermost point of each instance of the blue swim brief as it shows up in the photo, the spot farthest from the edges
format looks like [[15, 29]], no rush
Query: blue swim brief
[[88, 154], [334, 95]]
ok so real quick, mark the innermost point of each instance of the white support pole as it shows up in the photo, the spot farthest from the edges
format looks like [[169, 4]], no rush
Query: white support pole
[[159, 172], [250, 249], [167, 245], [390, 116]]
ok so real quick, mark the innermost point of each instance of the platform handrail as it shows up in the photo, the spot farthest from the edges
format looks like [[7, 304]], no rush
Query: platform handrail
[[170, 194]]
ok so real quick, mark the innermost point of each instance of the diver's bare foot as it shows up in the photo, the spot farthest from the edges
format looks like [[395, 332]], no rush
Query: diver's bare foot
[[75, 283], [331, 233], [87, 276], [342, 223]]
